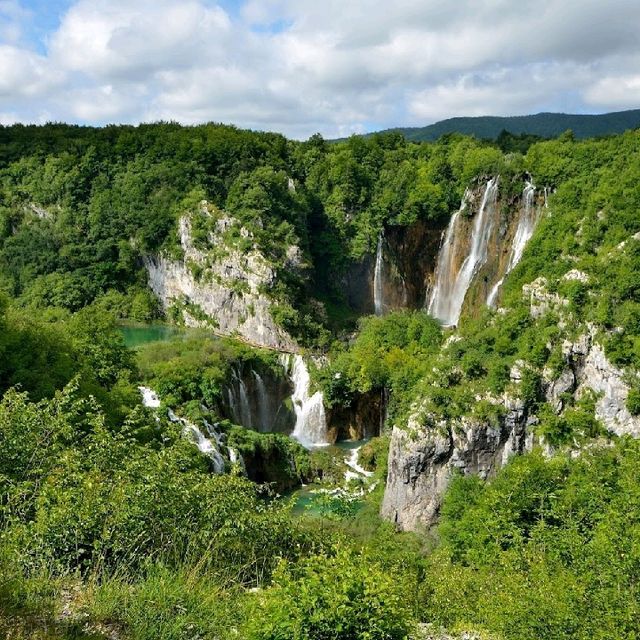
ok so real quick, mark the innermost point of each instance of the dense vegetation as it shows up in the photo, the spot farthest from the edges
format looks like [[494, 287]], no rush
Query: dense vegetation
[[111, 522]]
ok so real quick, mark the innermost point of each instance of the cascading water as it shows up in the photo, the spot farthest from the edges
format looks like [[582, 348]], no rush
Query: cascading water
[[238, 400], [524, 231], [245, 407], [311, 422], [149, 397], [355, 471], [204, 444], [451, 288], [377, 279], [263, 402]]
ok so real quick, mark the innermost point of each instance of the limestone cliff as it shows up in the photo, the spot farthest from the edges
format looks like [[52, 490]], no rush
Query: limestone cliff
[[423, 458], [219, 285], [425, 453]]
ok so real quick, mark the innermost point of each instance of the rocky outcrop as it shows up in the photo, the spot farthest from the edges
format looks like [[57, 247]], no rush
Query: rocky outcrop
[[423, 457], [589, 370], [422, 460], [220, 287], [541, 301]]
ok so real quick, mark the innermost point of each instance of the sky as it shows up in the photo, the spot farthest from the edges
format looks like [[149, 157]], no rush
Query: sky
[[306, 66]]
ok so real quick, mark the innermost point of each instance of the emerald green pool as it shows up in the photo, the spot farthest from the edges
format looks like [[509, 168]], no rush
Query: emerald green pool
[[308, 499], [137, 335]]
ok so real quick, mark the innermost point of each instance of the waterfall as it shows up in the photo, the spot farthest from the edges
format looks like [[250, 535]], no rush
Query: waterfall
[[245, 407], [233, 406], [149, 397], [493, 294], [524, 231], [204, 444], [377, 279], [355, 471], [238, 399], [311, 423], [263, 403], [450, 290]]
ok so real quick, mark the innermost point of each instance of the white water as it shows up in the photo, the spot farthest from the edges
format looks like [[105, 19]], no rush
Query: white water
[[204, 444], [245, 407], [377, 279], [149, 397], [263, 402], [238, 399], [311, 421], [356, 471], [524, 231], [450, 289]]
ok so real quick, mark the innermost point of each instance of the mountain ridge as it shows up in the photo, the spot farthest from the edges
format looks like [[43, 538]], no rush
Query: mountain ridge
[[543, 124]]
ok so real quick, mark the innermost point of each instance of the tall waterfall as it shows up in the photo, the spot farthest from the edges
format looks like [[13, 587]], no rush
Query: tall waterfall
[[451, 287], [377, 279], [311, 422], [526, 226]]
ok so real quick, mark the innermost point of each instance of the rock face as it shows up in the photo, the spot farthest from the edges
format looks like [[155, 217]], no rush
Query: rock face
[[590, 370], [408, 261], [364, 418], [221, 287], [423, 459]]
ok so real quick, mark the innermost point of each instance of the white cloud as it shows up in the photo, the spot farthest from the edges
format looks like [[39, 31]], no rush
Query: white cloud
[[615, 92], [300, 65], [111, 38], [24, 74]]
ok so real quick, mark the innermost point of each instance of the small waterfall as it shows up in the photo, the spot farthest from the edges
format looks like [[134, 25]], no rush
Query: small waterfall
[[311, 423], [149, 397], [377, 279], [233, 405], [238, 400], [245, 407], [451, 288], [204, 444], [355, 471], [263, 402], [493, 294], [524, 231]]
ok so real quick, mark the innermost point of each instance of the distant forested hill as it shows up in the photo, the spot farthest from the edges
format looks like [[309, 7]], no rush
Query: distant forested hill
[[546, 125]]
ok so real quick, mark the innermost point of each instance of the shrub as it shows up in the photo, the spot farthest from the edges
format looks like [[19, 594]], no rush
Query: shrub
[[345, 596]]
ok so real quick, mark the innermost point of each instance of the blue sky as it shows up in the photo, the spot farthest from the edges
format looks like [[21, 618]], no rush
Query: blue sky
[[302, 66]]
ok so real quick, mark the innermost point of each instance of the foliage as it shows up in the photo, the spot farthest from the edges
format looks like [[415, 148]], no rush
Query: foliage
[[343, 596], [547, 549]]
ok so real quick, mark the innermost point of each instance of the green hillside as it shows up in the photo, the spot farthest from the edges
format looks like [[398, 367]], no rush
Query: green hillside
[[545, 125]]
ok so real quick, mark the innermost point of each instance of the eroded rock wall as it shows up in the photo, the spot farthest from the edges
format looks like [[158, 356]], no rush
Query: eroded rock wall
[[221, 288]]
